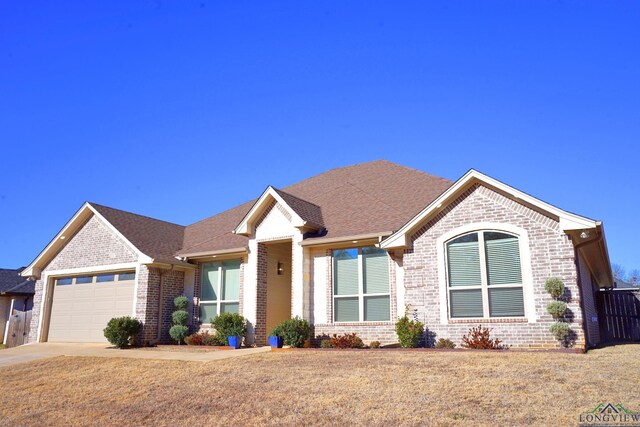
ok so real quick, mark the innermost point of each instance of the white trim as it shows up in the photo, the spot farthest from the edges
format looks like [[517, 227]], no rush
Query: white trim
[[81, 214], [525, 262], [246, 226], [567, 220], [93, 269]]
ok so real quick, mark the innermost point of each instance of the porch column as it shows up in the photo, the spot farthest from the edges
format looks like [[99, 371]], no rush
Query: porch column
[[297, 276]]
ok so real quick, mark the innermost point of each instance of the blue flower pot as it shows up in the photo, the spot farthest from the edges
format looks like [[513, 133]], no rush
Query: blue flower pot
[[234, 341], [275, 341]]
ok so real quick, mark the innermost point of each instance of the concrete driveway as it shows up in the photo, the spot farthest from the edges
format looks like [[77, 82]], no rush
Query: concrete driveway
[[29, 352]]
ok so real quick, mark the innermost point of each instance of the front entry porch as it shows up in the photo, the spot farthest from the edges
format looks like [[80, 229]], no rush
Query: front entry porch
[[274, 287]]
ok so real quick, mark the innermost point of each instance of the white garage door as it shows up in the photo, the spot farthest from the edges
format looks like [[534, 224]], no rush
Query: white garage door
[[83, 305]]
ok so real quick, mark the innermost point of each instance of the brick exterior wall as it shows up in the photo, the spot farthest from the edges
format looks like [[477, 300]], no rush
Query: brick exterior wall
[[260, 327], [93, 245], [589, 305], [552, 255]]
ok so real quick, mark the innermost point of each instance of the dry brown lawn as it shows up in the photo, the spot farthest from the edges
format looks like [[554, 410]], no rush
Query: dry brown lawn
[[377, 387]]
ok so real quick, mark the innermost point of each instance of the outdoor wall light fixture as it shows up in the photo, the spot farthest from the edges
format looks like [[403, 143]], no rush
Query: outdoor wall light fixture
[[584, 235], [280, 268]]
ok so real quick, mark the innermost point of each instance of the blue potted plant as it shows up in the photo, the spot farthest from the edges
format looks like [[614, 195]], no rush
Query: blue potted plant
[[276, 338], [231, 327]]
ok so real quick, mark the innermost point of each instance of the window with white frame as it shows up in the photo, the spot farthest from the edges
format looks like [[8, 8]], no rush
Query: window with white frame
[[220, 289], [484, 276], [361, 285]]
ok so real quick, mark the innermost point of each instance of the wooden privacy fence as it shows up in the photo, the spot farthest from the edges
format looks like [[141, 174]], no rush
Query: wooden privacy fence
[[18, 332], [619, 315]]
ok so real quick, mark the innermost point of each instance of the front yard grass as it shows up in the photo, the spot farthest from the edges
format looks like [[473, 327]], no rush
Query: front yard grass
[[376, 387]]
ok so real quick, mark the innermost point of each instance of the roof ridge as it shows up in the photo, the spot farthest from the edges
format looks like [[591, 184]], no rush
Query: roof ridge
[[136, 214], [296, 197]]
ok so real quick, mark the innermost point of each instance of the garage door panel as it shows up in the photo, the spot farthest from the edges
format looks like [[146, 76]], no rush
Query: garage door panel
[[79, 313]]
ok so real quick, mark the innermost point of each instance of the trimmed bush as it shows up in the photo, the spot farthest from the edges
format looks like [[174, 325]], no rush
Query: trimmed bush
[[374, 344], [444, 343], [479, 339], [228, 325], [555, 287], [178, 332], [346, 341], [181, 302], [560, 330], [294, 332], [557, 309], [121, 330], [180, 317], [409, 332]]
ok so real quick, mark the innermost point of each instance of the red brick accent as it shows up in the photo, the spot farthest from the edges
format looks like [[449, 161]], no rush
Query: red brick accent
[[260, 327]]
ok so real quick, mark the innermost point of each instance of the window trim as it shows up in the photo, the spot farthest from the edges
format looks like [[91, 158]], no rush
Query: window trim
[[360, 295], [525, 265], [218, 289]]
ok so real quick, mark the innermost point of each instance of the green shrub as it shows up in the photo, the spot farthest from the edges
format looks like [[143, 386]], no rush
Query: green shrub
[[294, 332], [479, 339], [409, 332], [204, 338], [180, 317], [178, 332], [444, 343], [560, 330], [181, 302], [346, 341], [374, 344], [554, 286], [121, 330], [228, 325], [557, 309], [325, 343]]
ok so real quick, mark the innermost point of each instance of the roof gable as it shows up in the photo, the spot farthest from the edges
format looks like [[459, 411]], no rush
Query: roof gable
[[568, 221], [304, 215]]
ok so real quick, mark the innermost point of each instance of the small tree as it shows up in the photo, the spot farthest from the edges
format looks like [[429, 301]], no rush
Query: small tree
[[179, 319]]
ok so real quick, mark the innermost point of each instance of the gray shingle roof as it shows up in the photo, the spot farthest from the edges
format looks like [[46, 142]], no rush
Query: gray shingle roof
[[12, 283]]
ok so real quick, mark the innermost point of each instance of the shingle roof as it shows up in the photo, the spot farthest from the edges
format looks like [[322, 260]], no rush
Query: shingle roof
[[12, 283], [158, 239], [308, 211], [371, 197]]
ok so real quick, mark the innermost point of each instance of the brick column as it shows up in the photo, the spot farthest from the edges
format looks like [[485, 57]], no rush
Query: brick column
[[261, 296]]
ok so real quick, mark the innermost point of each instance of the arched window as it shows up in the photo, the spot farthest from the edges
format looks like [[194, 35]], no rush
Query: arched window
[[484, 275]]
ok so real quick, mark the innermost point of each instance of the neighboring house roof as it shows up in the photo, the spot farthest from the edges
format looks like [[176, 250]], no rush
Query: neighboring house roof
[[621, 284], [157, 239], [12, 283], [373, 197]]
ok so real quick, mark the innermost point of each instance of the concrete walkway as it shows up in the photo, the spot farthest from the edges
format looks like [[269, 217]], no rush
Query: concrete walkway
[[29, 352]]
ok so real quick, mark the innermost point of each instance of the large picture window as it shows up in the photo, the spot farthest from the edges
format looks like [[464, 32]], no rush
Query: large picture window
[[484, 275], [361, 285], [220, 289]]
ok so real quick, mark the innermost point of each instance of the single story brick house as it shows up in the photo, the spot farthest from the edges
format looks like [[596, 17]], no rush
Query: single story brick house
[[348, 250]]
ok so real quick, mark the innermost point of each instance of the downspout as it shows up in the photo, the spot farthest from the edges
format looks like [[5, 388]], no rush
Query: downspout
[[577, 262], [160, 302]]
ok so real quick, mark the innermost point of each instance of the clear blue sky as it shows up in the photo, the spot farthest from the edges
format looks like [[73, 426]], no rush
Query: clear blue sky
[[179, 110]]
